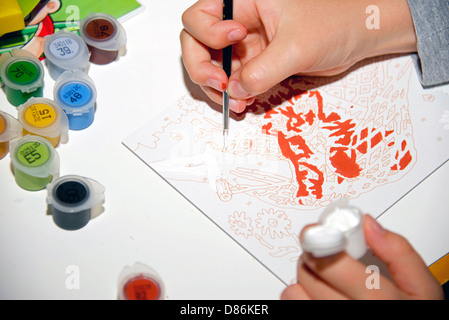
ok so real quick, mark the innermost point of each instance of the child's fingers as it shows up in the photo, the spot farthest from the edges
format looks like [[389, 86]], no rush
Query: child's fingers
[[204, 22], [199, 63], [407, 269]]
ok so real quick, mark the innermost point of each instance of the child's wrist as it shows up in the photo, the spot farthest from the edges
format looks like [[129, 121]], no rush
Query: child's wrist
[[393, 32]]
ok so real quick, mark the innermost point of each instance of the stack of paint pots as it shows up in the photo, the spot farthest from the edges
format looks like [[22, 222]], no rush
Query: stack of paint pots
[[43, 124]]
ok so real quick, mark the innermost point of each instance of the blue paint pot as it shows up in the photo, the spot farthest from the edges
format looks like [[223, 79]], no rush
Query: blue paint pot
[[75, 93]]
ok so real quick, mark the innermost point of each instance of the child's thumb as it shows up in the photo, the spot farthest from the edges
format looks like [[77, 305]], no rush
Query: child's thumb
[[407, 270], [274, 64]]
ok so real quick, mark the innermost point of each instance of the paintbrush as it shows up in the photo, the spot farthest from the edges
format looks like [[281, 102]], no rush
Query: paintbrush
[[227, 61]]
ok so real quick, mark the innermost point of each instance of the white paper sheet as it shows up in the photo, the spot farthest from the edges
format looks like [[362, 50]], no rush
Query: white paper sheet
[[369, 135]]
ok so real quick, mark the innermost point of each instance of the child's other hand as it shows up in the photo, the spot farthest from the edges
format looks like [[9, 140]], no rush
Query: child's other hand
[[341, 277]]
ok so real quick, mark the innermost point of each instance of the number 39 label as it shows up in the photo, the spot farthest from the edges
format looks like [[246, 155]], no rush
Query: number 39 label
[[64, 47]]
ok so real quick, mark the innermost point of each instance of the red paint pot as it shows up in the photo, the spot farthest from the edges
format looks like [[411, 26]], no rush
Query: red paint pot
[[104, 37], [140, 282]]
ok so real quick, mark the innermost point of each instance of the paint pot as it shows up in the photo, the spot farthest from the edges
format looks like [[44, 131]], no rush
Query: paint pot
[[43, 117], [104, 36], [75, 93], [339, 229], [72, 199], [10, 129], [35, 162], [65, 51], [140, 282], [23, 76]]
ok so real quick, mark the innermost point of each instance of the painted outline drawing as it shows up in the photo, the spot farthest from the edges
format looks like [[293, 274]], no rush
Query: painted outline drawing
[[302, 145]]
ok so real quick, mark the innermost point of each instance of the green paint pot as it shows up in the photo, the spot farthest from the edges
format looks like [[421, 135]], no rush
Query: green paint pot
[[35, 162], [23, 75]]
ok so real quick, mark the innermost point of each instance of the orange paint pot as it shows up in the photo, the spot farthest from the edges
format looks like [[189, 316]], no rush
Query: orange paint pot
[[104, 37], [10, 129], [140, 282]]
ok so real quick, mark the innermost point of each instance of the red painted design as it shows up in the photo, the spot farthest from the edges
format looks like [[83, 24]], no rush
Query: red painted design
[[349, 144]]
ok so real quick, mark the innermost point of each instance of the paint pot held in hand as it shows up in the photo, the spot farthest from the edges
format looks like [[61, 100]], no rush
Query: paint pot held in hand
[[140, 282], [339, 229], [22, 75], [35, 162], [104, 36], [65, 51], [75, 93], [43, 117], [72, 200], [10, 129]]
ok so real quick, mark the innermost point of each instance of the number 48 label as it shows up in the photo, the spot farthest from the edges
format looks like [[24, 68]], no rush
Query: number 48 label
[[75, 94]]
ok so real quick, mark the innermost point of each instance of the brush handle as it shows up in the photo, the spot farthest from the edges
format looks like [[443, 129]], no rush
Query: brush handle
[[227, 52], [227, 61]]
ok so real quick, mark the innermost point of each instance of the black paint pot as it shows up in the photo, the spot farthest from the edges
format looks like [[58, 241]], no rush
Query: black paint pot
[[72, 199]]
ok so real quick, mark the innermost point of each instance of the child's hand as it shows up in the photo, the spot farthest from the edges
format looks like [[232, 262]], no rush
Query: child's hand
[[274, 39], [341, 277]]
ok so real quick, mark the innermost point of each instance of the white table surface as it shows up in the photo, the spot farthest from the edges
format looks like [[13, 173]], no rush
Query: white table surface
[[145, 220]]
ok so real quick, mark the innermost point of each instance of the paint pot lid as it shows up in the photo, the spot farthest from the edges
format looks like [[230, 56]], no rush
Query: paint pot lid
[[10, 128], [342, 216], [323, 241], [44, 117], [35, 156], [73, 193], [103, 31], [20, 70], [66, 50], [340, 228], [140, 282], [75, 92]]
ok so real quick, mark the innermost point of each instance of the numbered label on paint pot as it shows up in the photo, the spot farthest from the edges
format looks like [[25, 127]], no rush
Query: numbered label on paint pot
[[71, 192], [33, 154], [100, 29], [73, 199], [22, 72], [40, 115], [75, 94], [64, 47], [142, 288], [140, 282]]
